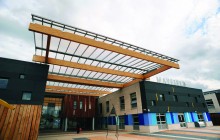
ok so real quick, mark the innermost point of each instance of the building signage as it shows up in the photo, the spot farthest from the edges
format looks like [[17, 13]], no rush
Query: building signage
[[171, 81]]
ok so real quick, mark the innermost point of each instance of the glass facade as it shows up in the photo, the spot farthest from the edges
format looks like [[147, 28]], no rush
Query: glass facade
[[51, 113]]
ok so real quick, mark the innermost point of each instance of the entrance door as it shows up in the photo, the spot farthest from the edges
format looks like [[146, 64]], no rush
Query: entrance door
[[136, 122], [121, 122], [181, 120], [161, 121]]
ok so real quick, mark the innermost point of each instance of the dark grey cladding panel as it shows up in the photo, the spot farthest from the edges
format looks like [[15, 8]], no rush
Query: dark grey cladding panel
[[34, 81], [218, 97], [186, 98]]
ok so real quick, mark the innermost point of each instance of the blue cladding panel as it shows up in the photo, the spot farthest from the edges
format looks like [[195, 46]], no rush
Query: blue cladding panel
[[191, 114], [109, 120], [187, 117], [128, 119], [113, 120], [152, 119], [168, 118], [195, 117], [141, 119], [172, 118], [146, 119], [175, 118], [206, 116]]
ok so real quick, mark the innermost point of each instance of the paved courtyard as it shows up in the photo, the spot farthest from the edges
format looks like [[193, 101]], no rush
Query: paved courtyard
[[206, 133]]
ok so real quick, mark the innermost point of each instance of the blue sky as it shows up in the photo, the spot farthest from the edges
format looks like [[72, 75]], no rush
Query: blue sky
[[188, 30]]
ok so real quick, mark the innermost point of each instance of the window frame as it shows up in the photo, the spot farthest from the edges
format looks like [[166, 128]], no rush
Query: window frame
[[209, 105], [133, 102], [161, 98], [26, 99], [122, 105], [153, 103], [80, 104], [75, 104], [175, 98], [107, 106], [21, 76], [6, 84]]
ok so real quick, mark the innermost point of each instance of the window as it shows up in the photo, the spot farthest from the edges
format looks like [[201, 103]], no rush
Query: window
[[100, 108], [122, 103], [161, 97], [107, 106], [21, 76], [133, 100], [80, 105], [175, 99], [74, 105], [26, 96], [90, 107], [3, 83], [196, 100], [210, 103], [161, 120], [153, 103], [200, 117]]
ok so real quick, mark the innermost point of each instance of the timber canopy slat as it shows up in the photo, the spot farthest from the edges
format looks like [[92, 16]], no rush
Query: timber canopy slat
[[86, 63]]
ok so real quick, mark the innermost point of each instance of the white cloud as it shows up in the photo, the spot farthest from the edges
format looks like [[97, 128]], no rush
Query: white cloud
[[188, 30]]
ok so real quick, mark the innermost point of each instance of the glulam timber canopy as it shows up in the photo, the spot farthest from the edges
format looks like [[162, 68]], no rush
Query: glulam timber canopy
[[85, 63]]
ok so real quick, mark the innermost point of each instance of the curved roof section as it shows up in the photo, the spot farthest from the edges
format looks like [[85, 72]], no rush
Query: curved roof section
[[84, 60]]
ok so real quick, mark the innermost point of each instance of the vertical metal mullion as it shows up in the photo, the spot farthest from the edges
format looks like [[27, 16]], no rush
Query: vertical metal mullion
[[42, 38], [35, 43]]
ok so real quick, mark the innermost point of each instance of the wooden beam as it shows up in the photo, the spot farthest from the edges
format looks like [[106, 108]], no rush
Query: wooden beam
[[82, 81], [73, 93], [85, 67], [148, 75], [91, 42], [48, 48], [154, 72], [131, 82], [5, 104], [77, 89]]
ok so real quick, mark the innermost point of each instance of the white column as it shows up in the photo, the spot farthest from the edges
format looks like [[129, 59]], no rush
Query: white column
[[66, 120], [93, 123]]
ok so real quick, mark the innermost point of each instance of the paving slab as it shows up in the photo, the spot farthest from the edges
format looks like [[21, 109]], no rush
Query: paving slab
[[206, 133]]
